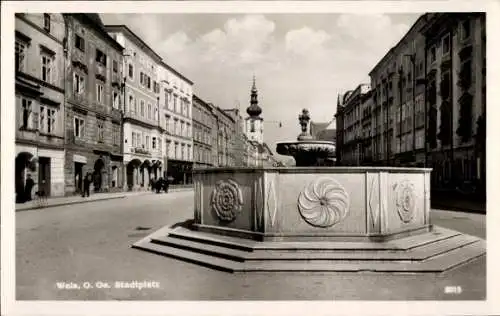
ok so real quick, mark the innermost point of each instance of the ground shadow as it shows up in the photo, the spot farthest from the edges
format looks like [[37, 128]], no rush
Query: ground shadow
[[188, 224]]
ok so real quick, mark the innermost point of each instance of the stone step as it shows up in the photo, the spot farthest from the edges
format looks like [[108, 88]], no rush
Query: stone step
[[434, 265], [189, 256], [403, 244], [421, 253], [200, 247]]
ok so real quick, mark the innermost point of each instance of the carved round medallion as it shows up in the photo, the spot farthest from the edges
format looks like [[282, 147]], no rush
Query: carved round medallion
[[405, 200], [227, 200], [323, 203]]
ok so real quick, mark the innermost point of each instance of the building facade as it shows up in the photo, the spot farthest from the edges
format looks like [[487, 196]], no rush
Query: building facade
[[40, 112], [427, 105], [456, 100], [350, 147], [93, 118], [225, 133], [204, 124], [177, 101], [142, 131]]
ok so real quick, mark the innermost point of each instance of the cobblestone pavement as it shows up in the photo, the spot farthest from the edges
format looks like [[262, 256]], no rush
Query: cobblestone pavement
[[91, 243]]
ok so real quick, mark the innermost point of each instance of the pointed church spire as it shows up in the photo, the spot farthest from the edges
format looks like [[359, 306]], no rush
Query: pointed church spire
[[254, 110]]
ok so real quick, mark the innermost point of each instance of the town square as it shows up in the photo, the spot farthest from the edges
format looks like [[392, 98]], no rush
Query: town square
[[249, 156]]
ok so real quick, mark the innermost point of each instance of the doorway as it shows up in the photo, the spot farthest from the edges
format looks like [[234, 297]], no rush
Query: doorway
[[44, 175], [78, 177]]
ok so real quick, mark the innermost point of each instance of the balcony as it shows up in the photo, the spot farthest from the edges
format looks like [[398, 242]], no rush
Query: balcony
[[141, 151]]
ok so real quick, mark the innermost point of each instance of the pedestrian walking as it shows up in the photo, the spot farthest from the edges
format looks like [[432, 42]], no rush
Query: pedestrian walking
[[86, 185], [166, 182], [28, 187], [153, 184], [158, 185]]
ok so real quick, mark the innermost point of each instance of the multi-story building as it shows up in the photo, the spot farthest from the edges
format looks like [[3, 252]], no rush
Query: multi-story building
[[39, 88], [177, 98], [142, 131], [351, 146], [428, 103], [93, 118], [239, 140], [225, 127], [204, 124], [455, 72]]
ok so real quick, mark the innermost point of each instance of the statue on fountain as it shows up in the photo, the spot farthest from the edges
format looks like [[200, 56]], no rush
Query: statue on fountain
[[307, 151]]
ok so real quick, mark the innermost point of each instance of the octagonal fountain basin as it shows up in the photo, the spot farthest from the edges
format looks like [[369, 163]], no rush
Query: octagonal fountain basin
[[302, 203]]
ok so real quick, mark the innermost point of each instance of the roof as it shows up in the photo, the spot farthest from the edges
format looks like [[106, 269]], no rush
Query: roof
[[412, 28], [163, 63], [95, 21], [123, 28]]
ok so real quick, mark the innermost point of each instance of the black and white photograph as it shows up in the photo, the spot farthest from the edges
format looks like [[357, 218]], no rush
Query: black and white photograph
[[247, 151]]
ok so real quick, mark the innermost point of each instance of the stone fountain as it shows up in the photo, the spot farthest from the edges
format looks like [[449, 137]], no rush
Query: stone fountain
[[313, 218]]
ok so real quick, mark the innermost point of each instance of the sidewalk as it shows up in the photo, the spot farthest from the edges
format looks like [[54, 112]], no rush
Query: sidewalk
[[76, 199], [454, 202]]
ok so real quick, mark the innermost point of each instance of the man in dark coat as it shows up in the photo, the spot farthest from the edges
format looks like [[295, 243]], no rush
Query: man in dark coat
[[158, 185], [28, 187], [86, 185]]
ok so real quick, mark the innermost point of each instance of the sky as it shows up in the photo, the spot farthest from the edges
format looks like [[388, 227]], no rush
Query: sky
[[299, 60]]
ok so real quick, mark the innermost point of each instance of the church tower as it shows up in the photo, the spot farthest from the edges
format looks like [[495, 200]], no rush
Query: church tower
[[254, 123]]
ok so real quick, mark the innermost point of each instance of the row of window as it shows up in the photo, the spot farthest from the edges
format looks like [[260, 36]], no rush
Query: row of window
[[178, 127], [202, 155], [144, 141], [177, 104], [47, 61], [79, 88], [150, 112], [80, 132], [44, 121], [202, 135], [100, 57], [181, 151]]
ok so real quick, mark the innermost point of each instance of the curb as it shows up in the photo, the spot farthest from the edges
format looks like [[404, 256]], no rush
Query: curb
[[445, 207], [34, 207], [70, 203]]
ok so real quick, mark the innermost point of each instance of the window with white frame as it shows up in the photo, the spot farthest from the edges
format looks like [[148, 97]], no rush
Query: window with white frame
[[20, 55], [100, 57], [147, 142], [79, 127], [80, 42], [99, 93], [153, 143], [47, 67], [41, 115], [134, 140], [27, 108], [100, 131], [78, 83], [51, 120], [142, 108], [156, 113], [131, 104], [149, 111], [116, 100]]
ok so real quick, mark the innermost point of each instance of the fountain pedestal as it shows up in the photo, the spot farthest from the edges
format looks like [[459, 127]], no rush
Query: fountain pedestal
[[302, 204]]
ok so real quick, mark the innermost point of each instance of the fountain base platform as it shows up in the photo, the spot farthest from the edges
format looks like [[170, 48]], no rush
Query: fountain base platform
[[314, 219], [434, 251]]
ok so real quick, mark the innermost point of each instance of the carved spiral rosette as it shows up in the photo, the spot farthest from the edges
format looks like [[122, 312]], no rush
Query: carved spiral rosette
[[227, 200], [405, 200], [323, 203]]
